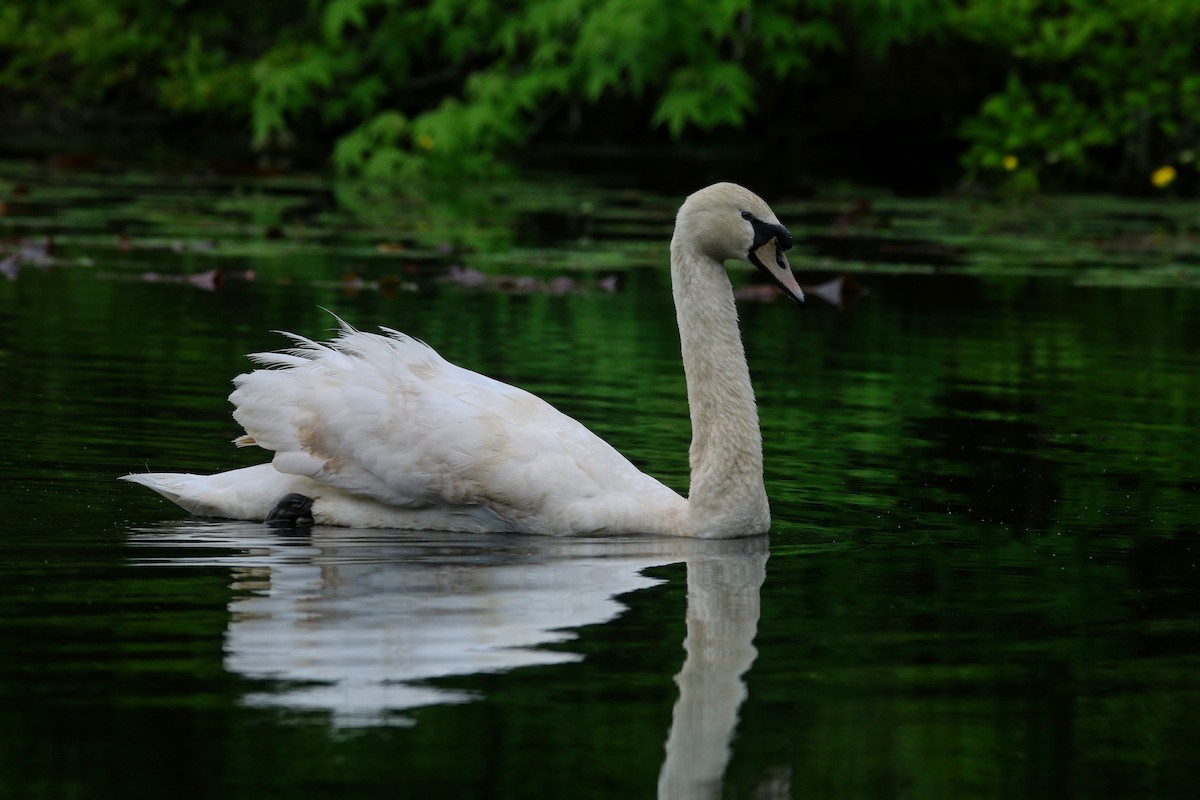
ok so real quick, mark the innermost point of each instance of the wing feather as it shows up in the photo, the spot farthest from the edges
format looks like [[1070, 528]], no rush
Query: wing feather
[[386, 417]]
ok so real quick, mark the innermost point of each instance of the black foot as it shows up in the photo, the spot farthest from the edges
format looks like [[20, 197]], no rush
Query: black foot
[[293, 510]]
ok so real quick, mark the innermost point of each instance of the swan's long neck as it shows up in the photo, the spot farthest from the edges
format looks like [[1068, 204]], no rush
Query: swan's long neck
[[727, 497]]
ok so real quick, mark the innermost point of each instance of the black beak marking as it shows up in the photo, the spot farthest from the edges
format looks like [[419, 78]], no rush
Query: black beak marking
[[766, 231], [763, 233]]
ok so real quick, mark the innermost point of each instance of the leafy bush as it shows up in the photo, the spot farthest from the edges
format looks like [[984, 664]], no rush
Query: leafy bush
[[103, 58], [1106, 91], [1103, 91], [451, 83]]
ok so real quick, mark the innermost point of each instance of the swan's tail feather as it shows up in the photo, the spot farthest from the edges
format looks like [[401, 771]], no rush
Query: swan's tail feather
[[181, 489], [165, 483], [247, 493], [252, 492]]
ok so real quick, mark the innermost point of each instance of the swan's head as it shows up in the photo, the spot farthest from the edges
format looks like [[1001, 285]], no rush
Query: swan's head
[[726, 221]]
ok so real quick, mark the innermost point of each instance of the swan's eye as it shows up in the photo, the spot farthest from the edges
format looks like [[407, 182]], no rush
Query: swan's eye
[[747, 215]]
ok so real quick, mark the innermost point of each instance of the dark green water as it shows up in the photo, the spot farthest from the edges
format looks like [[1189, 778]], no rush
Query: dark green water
[[982, 578]]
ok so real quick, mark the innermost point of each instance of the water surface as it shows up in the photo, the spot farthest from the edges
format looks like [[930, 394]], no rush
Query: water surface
[[981, 580]]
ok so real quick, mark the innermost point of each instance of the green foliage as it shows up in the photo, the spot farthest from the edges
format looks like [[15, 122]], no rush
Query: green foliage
[[371, 148], [478, 79], [95, 62], [1098, 88]]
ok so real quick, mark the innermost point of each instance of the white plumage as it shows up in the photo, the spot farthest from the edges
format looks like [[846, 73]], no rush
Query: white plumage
[[381, 431]]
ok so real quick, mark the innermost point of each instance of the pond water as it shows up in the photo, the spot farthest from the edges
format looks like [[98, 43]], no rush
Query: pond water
[[982, 456]]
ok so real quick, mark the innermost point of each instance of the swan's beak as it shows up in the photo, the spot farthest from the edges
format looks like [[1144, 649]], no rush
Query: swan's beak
[[769, 258]]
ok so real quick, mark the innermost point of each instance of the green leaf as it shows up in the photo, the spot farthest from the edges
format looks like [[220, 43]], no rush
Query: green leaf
[[716, 94]]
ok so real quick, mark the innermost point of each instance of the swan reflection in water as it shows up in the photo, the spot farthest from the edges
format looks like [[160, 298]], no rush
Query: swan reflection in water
[[355, 622]]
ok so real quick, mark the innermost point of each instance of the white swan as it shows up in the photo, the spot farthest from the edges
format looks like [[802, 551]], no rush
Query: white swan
[[380, 431]]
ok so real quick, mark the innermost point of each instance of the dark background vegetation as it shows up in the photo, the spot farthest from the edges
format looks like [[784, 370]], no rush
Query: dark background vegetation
[[920, 95]]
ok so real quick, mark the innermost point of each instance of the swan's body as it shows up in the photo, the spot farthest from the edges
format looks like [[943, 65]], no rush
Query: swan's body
[[381, 431]]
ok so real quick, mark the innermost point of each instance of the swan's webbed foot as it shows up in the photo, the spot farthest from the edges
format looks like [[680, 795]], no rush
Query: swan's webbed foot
[[292, 510]]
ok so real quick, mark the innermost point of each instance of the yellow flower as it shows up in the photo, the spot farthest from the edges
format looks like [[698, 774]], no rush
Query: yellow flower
[[425, 141], [1163, 176], [1010, 162]]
